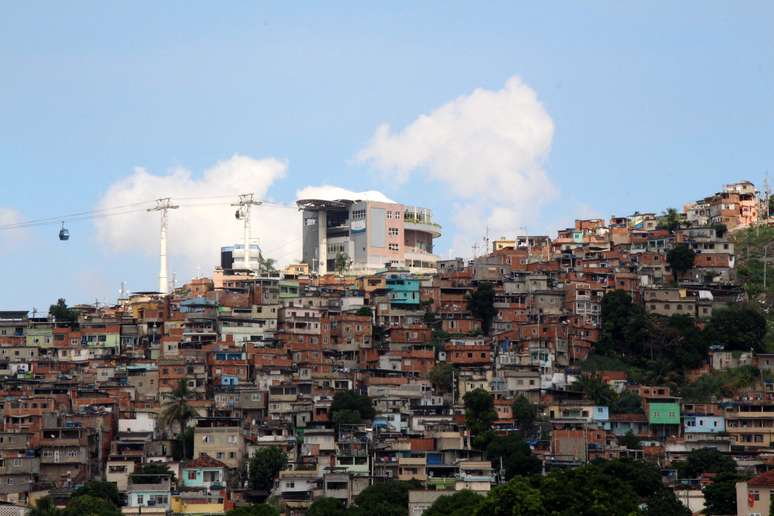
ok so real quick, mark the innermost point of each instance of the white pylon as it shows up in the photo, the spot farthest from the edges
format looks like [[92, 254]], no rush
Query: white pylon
[[246, 202], [163, 205]]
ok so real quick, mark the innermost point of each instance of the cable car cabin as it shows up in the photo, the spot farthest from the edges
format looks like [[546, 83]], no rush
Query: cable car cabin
[[64, 233]]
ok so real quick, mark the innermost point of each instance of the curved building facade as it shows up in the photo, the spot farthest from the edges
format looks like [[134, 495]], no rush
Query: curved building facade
[[367, 235]]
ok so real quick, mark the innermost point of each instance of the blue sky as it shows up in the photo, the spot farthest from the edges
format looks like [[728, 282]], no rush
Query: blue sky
[[652, 103]]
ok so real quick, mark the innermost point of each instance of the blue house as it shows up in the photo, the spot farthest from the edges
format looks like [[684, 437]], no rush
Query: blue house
[[204, 471], [704, 424], [403, 288]]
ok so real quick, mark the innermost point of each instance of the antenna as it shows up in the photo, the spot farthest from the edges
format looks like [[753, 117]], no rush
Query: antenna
[[163, 205], [246, 202]]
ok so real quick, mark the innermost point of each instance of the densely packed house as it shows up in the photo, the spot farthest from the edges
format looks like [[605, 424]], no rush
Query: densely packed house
[[258, 358]]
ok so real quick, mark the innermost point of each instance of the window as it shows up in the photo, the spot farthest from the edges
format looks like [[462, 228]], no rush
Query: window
[[192, 475], [393, 231], [394, 247], [219, 455]]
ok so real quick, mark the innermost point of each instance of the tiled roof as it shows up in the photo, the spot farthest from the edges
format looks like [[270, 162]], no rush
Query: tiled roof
[[205, 461], [764, 480]]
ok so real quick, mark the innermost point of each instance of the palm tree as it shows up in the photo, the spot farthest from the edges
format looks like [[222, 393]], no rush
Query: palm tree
[[266, 264], [177, 410]]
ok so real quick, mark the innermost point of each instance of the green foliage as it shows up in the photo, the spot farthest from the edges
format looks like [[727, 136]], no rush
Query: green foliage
[[720, 495], [738, 327], [479, 411], [525, 413], [266, 264], [587, 490], [719, 384], [265, 465], [346, 417], [90, 506], [259, 509], [516, 455], [152, 468], [461, 503], [481, 305], [441, 376], [365, 310], [342, 262], [177, 410], [669, 220], [44, 507], [61, 312], [595, 388], [631, 441], [705, 460], [183, 445], [680, 259], [350, 402], [517, 497], [625, 327], [628, 402], [326, 506], [665, 503], [388, 498], [98, 489]]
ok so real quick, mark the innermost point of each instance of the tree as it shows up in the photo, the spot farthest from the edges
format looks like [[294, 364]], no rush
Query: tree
[[461, 503], [385, 498], [264, 467], [365, 310], [342, 262], [61, 313], [151, 473], [479, 411], [515, 454], [720, 495], [353, 402], [595, 388], [625, 327], [720, 229], [628, 402], [525, 413], [631, 441], [665, 503], [183, 446], [481, 305], [326, 506], [177, 410], [517, 497], [442, 376], [346, 417], [258, 509], [44, 507], [90, 506], [706, 460], [737, 328], [587, 490], [266, 264], [98, 489], [669, 220], [680, 259]]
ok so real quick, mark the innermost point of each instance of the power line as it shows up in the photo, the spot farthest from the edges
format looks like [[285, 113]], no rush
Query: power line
[[126, 209]]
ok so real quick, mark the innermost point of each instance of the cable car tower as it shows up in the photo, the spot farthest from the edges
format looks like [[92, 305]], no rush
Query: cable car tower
[[246, 202], [163, 205]]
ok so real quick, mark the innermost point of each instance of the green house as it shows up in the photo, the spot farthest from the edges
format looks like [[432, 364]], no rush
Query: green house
[[664, 413]]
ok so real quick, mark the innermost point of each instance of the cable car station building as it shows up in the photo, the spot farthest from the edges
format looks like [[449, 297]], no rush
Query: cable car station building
[[367, 234]]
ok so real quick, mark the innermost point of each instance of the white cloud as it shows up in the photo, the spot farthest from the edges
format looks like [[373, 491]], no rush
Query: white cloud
[[488, 148], [334, 193], [10, 238], [205, 220]]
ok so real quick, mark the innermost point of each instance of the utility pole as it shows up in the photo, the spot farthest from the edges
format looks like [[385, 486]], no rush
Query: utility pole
[[244, 204], [163, 205]]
